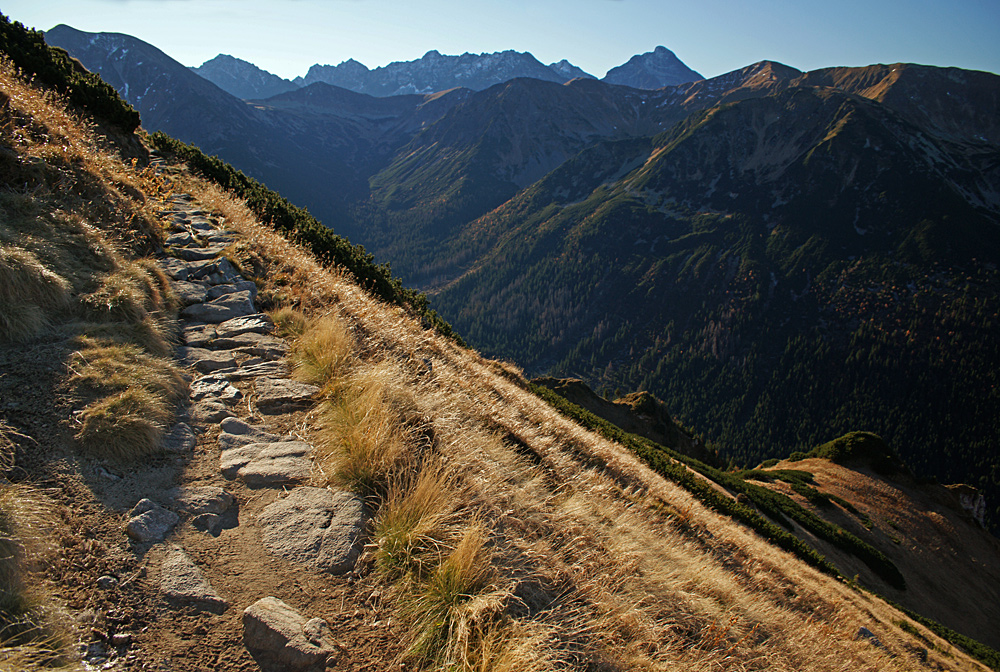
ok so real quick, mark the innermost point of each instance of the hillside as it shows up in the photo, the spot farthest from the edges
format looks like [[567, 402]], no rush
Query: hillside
[[151, 488]]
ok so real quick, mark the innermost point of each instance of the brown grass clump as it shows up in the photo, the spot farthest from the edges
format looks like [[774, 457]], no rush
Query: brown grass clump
[[126, 426], [289, 322], [29, 294], [415, 523], [23, 518], [323, 353], [362, 440]]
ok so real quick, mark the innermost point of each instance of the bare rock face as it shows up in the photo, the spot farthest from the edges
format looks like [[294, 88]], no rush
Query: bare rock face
[[282, 640], [315, 527], [148, 521], [182, 581]]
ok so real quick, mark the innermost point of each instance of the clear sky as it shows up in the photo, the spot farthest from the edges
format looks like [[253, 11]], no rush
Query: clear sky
[[711, 36]]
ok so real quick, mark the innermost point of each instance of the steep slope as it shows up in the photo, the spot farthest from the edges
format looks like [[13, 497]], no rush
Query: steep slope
[[499, 533], [242, 79], [700, 260], [652, 70]]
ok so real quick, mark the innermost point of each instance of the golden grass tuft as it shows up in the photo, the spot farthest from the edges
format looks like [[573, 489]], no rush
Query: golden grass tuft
[[453, 604], [362, 440], [126, 426], [29, 294], [415, 522], [289, 322], [324, 353], [24, 516]]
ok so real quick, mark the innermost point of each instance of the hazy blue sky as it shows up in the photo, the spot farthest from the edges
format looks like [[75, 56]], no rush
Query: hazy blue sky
[[711, 36]]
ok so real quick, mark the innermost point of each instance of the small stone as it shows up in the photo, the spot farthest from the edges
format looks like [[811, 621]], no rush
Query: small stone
[[215, 387], [121, 639], [199, 253], [208, 522], [281, 395], [198, 499], [180, 439], [148, 521], [106, 582], [239, 286], [211, 410], [182, 239], [280, 639], [257, 323]]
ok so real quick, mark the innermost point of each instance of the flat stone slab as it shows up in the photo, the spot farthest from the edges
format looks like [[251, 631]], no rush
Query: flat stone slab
[[238, 286], [315, 527], [182, 581], [258, 323], [237, 433], [181, 239], [198, 335], [190, 292], [207, 361], [281, 639], [265, 464], [180, 439], [252, 343], [281, 395], [211, 386], [211, 410], [227, 307], [148, 521], [254, 370]]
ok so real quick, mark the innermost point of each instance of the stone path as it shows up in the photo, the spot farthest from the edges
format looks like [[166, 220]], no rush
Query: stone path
[[239, 373]]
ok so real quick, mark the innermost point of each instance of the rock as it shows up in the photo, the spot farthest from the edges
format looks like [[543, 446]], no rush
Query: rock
[[180, 439], [227, 307], [148, 521], [239, 286], [208, 522], [238, 433], [211, 410], [207, 361], [198, 335], [219, 237], [865, 633], [106, 582], [281, 395], [120, 639], [315, 527], [263, 464], [181, 580], [254, 370], [190, 292], [281, 639], [257, 323], [182, 239], [201, 224], [258, 345], [216, 387], [179, 269], [198, 499], [199, 253]]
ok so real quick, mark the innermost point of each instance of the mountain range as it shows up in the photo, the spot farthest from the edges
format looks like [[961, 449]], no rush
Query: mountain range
[[436, 72], [781, 256]]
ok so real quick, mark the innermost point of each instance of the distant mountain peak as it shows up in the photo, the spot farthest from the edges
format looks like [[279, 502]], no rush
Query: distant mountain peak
[[241, 78], [652, 70]]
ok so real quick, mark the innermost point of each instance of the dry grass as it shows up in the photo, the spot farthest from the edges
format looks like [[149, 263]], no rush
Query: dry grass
[[323, 352], [416, 522], [362, 441], [30, 294]]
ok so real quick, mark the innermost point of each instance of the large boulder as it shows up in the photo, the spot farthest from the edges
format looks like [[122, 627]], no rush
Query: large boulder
[[315, 527]]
